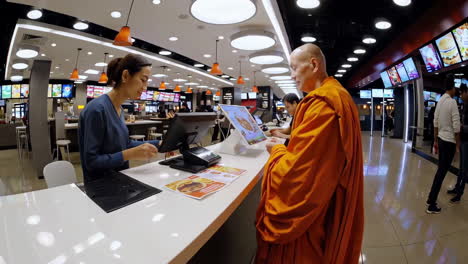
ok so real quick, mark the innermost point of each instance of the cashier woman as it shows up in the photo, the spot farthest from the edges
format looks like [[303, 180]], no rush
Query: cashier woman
[[103, 136]]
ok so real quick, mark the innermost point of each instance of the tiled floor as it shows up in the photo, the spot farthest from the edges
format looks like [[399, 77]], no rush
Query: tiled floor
[[397, 182]]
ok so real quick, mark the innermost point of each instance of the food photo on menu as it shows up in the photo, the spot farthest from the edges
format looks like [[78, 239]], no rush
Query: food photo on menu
[[411, 69], [402, 72], [461, 36], [243, 121], [448, 50], [394, 77], [431, 58]]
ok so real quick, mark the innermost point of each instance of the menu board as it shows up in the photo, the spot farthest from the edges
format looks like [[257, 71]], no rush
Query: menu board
[[427, 95], [252, 95], [6, 91], [90, 91], [149, 95], [49, 91], [388, 93], [433, 96], [461, 36], [171, 97], [107, 89], [143, 95], [16, 91], [244, 96], [365, 94], [431, 58], [386, 80], [448, 50], [155, 96], [25, 90], [56, 90], [393, 75], [411, 69], [377, 93], [98, 91], [402, 72], [176, 98]]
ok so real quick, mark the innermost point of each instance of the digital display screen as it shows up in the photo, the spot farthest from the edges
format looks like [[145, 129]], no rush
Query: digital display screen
[[6, 91], [427, 95], [176, 98], [16, 91], [149, 95], [2, 102], [56, 90], [411, 69], [25, 90], [244, 96], [143, 95], [431, 104], [67, 91], [377, 93], [155, 96], [49, 91], [365, 94], [386, 80], [448, 50], [433, 96], [461, 36], [252, 95], [457, 83], [393, 75], [402, 72], [98, 91], [388, 93], [243, 121], [107, 89], [90, 91], [431, 58], [171, 97]]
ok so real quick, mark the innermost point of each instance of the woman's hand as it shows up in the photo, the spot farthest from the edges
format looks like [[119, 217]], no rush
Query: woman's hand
[[143, 152]]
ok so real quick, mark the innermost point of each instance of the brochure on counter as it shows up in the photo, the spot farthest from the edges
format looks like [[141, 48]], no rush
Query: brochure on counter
[[206, 182]]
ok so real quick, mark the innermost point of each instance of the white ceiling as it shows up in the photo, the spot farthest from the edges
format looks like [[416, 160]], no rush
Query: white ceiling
[[153, 24]]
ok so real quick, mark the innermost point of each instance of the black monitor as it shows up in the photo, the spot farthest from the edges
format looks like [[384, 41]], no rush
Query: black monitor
[[187, 129]]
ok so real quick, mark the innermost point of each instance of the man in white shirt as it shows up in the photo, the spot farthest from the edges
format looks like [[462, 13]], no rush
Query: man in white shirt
[[446, 140]]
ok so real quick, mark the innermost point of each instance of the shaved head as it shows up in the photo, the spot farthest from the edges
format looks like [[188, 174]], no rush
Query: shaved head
[[308, 67]]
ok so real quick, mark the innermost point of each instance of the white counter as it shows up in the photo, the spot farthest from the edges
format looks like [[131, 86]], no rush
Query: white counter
[[62, 225], [136, 123]]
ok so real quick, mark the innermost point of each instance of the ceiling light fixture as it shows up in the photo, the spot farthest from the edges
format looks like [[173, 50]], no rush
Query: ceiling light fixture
[[27, 51], [116, 14], [359, 51], [285, 81], [177, 88], [207, 55], [173, 38], [34, 14], [191, 83], [74, 76], [103, 78], [208, 92], [383, 24], [16, 76], [199, 65], [240, 79], [280, 77], [225, 76], [91, 71], [124, 37], [266, 57], [253, 40], [165, 53], [275, 68], [234, 51], [90, 53], [402, 2], [159, 75], [308, 39], [156, 2], [352, 59], [218, 93], [308, 4], [338, 75], [223, 12], [80, 26], [369, 40], [346, 65], [341, 71], [189, 90], [179, 80], [20, 64], [202, 86], [215, 68]]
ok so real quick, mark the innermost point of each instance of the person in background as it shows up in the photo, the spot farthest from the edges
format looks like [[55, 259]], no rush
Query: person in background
[[446, 140], [312, 207], [209, 109], [162, 112], [430, 118], [463, 172], [184, 108], [291, 101], [102, 133]]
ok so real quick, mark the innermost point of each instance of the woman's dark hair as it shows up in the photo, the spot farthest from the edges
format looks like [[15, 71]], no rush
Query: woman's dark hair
[[133, 63], [291, 98]]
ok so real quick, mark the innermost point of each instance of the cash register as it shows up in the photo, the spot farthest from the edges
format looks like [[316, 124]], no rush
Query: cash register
[[187, 129]]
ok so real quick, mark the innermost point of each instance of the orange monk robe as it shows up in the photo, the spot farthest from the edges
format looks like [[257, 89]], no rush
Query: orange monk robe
[[311, 208]]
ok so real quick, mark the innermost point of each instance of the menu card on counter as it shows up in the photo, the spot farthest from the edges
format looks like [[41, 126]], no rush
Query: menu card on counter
[[206, 182]]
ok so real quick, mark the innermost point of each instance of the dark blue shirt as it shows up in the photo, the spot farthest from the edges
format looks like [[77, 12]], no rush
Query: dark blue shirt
[[102, 136]]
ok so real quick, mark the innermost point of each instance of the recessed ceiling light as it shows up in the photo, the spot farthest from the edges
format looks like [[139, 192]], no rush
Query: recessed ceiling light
[[338, 75], [209, 70], [199, 65], [234, 51], [225, 76], [402, 2], [232, 79], [156, 2], [168, 69], [27, 51], [51, 72], [34, 14], [436, 73], [244, 79], [91, 71], [280, 77], [230, 68], [116, 14], [341, 71], [80, 26], [207, 55], [275, 68], [78, 82], [223, 12], [308, 4], [43, 55], [359, 51], [165, 52], [286, 81], [179, 80], [19, 64], [159, 75], [383, 24], [352, 59], [90, 53], [266, 57], [100, 64], [308, 39], [253, 40], [133, 40], [173, 38], [53, 45], [202, 86], [83, 77], [57, 67], [346, 65], [369, 40], [16, 78], [191, 83], [111, 56], [220, 37]]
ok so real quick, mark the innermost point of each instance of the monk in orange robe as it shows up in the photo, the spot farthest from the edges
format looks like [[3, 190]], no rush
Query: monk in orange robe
[[311, 208]]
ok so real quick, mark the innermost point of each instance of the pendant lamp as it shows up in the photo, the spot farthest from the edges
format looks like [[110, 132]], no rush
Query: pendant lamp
[[215, 69], [177, 89], [208, 92], [162, 85], [124, 37], [103, 78], [189, 90], [75, 76], [255, 88], [218, 93], [240, 80]]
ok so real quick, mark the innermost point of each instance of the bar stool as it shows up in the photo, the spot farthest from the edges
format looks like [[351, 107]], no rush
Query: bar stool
[[138, 137], [152, 135], [65, 144], [21, 140]]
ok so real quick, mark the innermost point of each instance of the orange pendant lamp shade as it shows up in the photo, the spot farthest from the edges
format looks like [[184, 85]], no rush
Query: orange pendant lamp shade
[[254, 89], [162, 86], [103, 78], [124, 37], [189, 90], [215, 69], [74, 76], [209, 92], [177, 89], [240, 80], [218, 93]]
